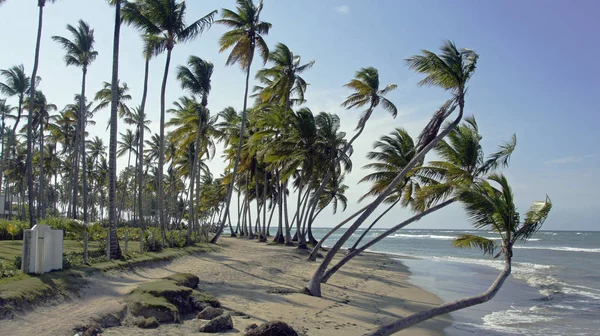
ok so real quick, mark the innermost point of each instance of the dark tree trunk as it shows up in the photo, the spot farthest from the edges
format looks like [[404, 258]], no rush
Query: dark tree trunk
[[114, 250]]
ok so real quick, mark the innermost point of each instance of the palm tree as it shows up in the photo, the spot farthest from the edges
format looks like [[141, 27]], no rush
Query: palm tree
[[113, 249], [395, 152], [41, 5], [367, 92], [103, 97], [80, 53], [164, 19], [16, 83], [41, 117], [489, 208], [245, 36], [196, 79], [450, 71], [127, 145], [434, 186]]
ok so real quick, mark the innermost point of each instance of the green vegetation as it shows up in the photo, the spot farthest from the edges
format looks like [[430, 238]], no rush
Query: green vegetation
[[23, 291], [166, 300]]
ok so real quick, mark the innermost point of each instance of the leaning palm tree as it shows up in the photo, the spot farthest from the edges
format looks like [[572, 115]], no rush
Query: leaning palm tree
[[164, 19], [196, 79], [245, 36], [451, 70], [489, 208], [41, 5], [434, 186], [80, 53], [367, 92]]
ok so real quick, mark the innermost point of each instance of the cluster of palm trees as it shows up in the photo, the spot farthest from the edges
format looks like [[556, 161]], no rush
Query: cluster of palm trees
[[274, 147]]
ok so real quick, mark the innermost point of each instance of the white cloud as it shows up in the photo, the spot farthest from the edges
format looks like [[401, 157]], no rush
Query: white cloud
[[343, 9]]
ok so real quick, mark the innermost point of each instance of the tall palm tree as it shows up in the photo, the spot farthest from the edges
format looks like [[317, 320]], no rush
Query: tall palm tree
[[245, 36], [80, 53], [196, 78], [367, 92], [29, 164], [451, 70], [17, 84], [490, 208], [113, 249], [164, 19]]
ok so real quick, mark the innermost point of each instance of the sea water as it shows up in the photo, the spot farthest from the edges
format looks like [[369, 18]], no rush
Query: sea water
[[554, 288]]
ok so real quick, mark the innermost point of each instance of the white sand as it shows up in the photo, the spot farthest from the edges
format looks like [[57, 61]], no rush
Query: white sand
[[369, 291]]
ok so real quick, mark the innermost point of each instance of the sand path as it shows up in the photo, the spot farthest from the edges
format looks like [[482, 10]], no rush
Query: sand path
[[368, 291]]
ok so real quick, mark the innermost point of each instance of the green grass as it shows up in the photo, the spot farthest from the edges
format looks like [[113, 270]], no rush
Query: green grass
[[23, 291], [9, 249]]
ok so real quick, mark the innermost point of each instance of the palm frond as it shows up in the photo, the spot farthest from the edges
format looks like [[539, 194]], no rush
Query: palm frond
[[487, 246]]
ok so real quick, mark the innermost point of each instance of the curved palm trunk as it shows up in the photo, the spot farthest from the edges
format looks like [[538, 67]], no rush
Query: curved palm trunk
[[446, 308], [29, 163], [114, 250], [141, 154], [377, 239], [288, 229], [371, 226], [239, 149], [314, 285], [161, 155], [315, 250]]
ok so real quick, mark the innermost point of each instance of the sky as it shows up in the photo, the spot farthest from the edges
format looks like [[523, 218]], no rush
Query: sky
[[537, 77]]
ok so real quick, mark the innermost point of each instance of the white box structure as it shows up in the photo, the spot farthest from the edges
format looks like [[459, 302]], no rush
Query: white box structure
[[42, 250]]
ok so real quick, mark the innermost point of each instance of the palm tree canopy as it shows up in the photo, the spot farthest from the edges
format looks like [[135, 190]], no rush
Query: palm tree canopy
[[367, 93], [196, 76], [16, 82], [450, 70], [391, 154], [282, 80], [80, 51], [493, 208], [245, 34], [164, 20], [103, 97]]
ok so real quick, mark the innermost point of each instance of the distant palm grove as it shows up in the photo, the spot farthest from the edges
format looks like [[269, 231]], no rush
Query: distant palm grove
[[285, 163]]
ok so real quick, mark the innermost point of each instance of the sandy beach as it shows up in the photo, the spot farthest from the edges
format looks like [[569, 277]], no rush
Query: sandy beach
[[249, 277]]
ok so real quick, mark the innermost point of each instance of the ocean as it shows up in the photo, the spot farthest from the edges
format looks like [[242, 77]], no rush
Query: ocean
[[554, 288]]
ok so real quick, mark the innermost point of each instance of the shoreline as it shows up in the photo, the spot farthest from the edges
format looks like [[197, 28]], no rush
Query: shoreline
[[258, 280]]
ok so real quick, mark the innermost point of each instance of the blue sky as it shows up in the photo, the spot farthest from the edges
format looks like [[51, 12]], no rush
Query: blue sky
[[538, 77]]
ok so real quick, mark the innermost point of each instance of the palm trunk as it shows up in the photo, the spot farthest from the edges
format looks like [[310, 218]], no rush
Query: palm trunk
[[141, 154], [288, 235], [114, 250], [264, 201], [446, 308], [372, 224], [279, 237], [161, 155], [83, 155], [257, 195], [315, 250], [29, 163], [42, 198], [314, 285], [239, 149], [377, 239], [124, 191]]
